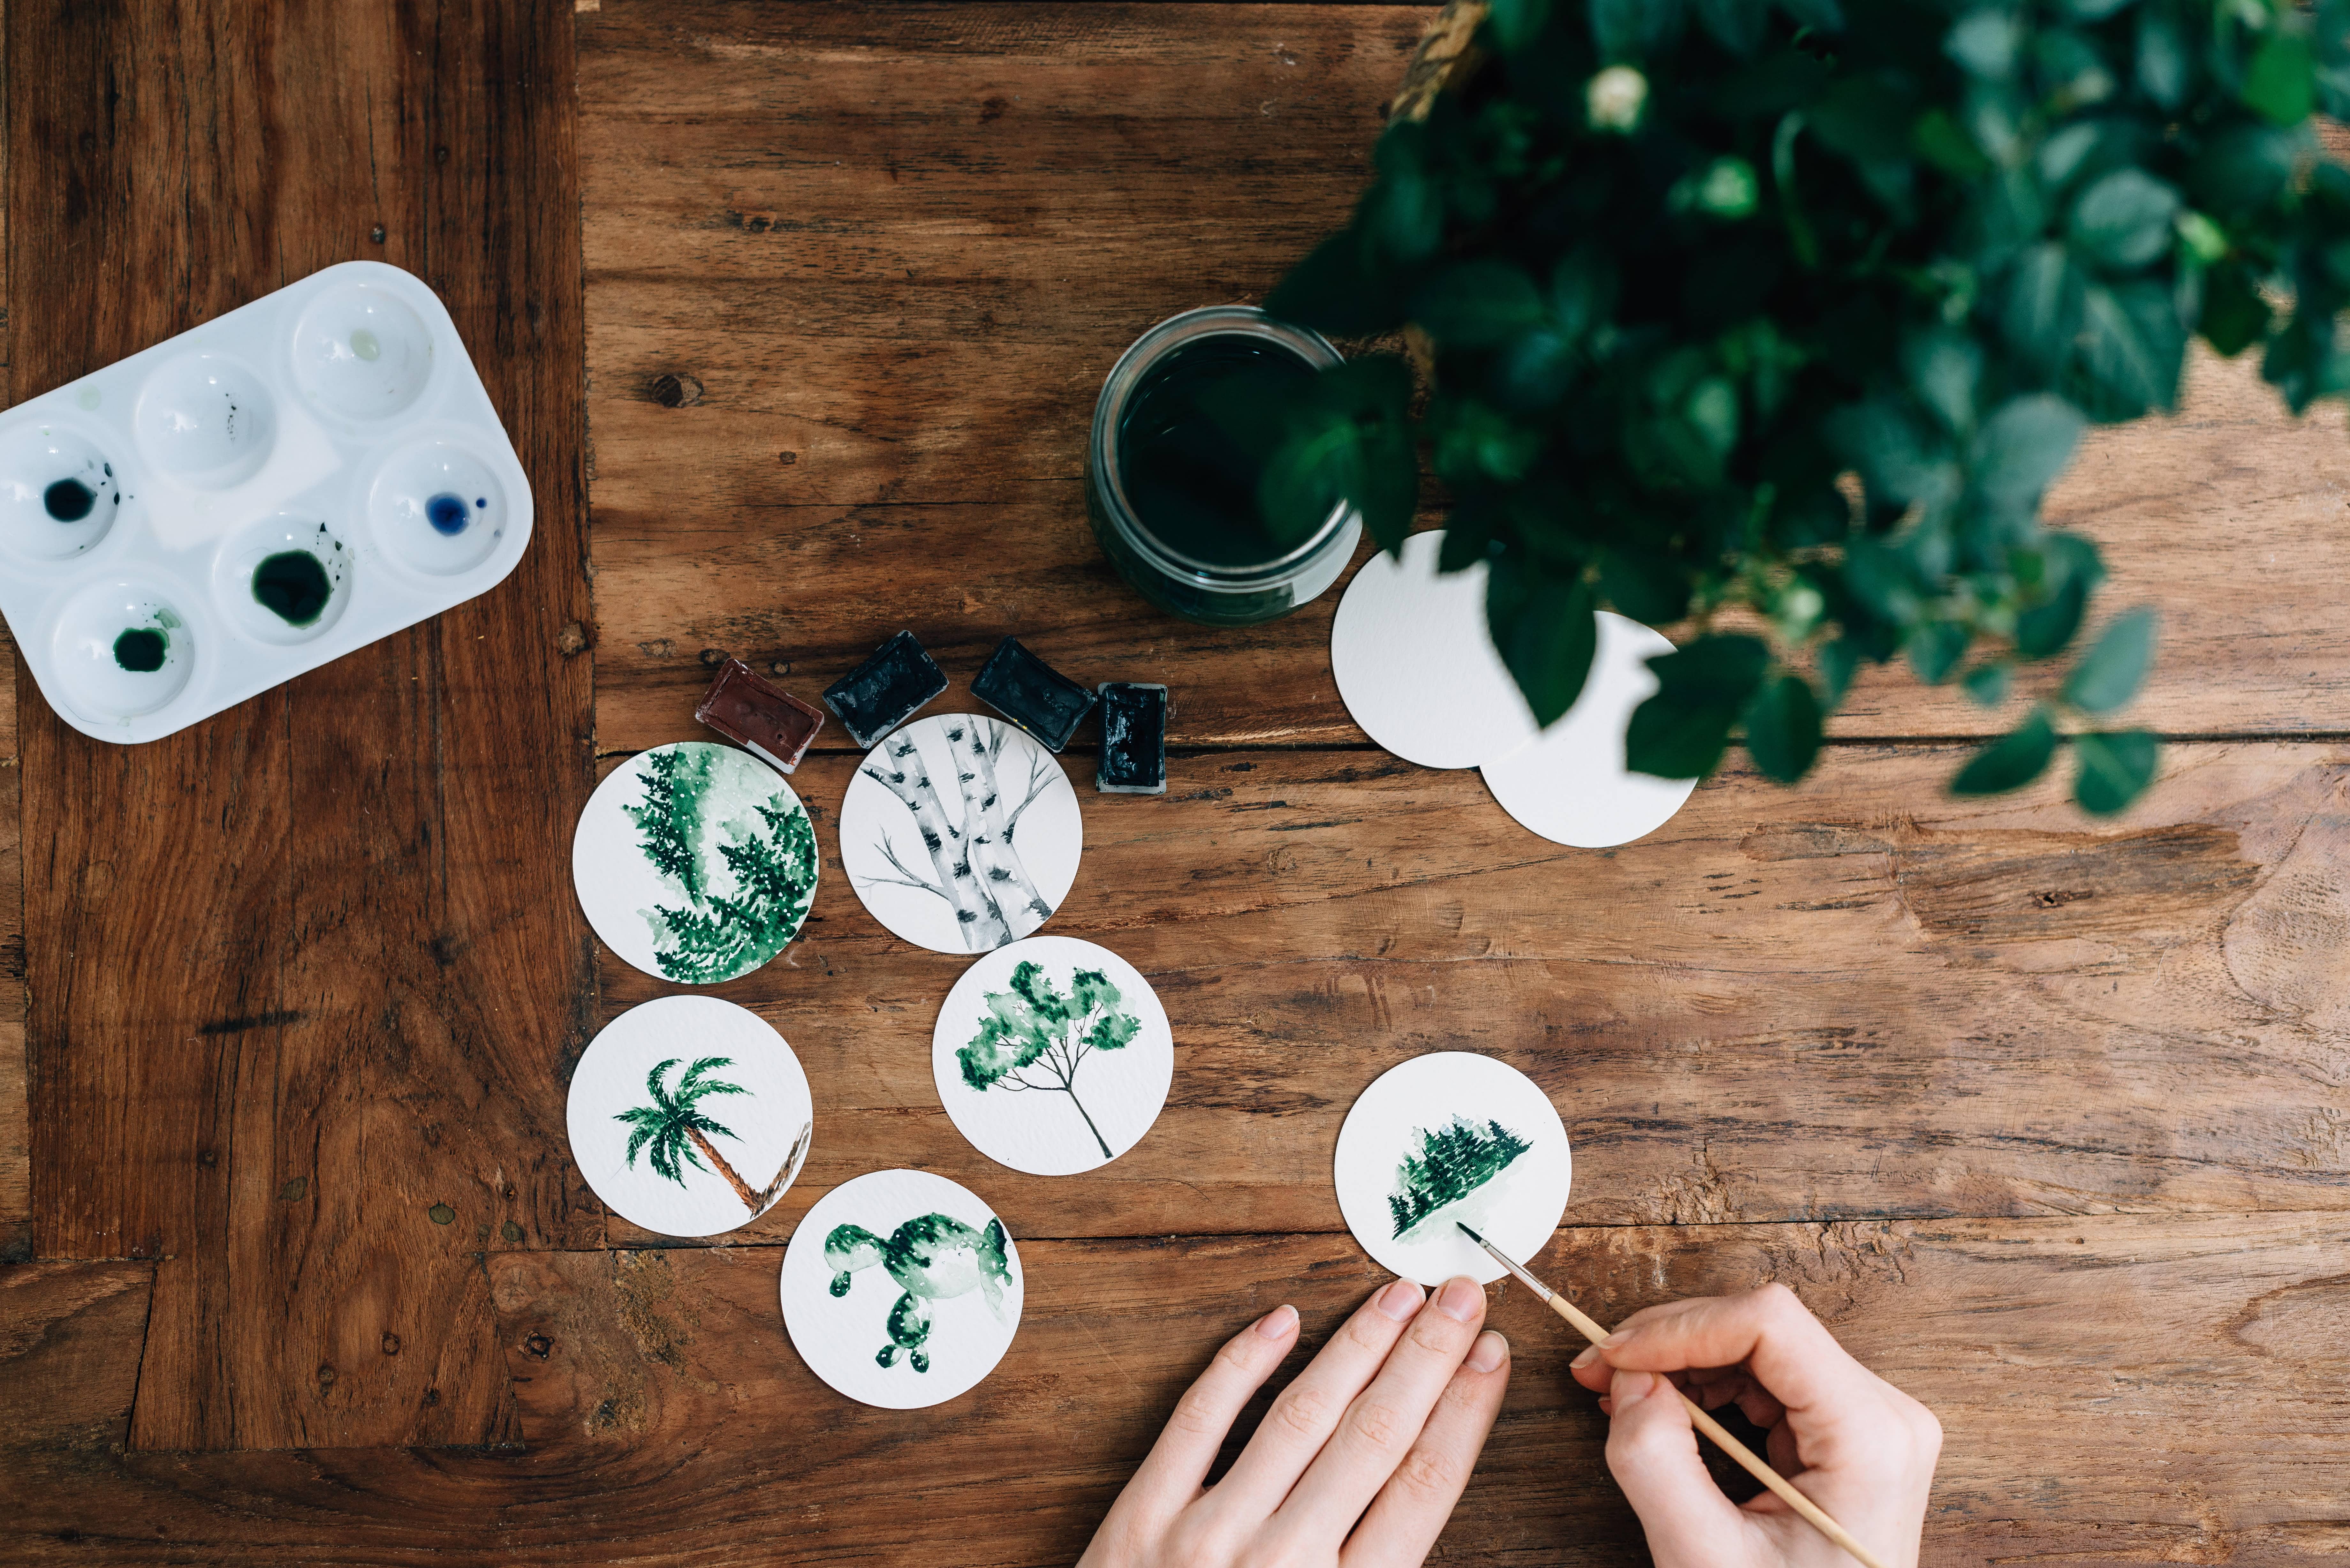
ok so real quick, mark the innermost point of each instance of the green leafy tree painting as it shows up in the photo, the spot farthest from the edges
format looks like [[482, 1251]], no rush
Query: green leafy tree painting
[[1450, 1163], [741, 855], [674, 1131], [1034, 1037]]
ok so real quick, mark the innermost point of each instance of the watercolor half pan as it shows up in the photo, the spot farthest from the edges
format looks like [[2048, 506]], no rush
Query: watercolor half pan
[[1133, 739], [1032, 694], [777, 726], [890, 688]]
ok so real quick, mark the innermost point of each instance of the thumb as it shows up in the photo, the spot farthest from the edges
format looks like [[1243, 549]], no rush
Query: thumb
[[1653, 1453]]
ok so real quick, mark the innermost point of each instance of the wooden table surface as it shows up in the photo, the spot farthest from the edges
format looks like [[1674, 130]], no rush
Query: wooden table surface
[[2050, 1119]]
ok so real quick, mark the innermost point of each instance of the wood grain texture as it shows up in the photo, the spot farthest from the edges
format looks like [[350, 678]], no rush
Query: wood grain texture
[[899, 249], [298, 980], [2193, 1416], [1855, 998]]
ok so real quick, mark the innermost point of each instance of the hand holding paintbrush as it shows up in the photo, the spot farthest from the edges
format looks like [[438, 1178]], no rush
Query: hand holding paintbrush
[[1865, 1451]]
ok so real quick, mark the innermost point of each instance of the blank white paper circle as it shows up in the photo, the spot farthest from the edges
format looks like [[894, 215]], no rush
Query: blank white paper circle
[[1517, 1209], [1008, 834], [1569, 783], [1078, 1105], [926, 1250], [755, 1090], [1416, 666]]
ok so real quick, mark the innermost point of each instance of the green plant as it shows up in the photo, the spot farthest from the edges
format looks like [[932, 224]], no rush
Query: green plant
[[1795, 310]]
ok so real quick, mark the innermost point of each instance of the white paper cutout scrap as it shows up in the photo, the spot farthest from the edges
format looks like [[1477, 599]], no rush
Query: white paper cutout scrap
[[1452, 1135], [689, 1116], [901, 1289], [961, 833], [1416, 666], [1051, 1055], [1569, 783], [695, 862]]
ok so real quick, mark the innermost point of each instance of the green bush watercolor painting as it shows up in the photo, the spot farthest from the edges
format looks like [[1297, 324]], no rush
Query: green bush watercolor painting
[[931, 1258], [1035, 1035], [1446, 1165], [674, 1132], [735, 850]]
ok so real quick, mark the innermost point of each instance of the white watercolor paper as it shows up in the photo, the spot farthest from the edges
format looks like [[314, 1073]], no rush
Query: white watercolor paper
[[1452, 1135], [1051, 1055], [689, 1116], [694, 862], [901, 1289], [1416, 666], [960, 832], [1569, 783]]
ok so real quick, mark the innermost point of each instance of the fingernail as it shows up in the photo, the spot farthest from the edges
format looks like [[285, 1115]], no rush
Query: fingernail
[[1489, 1352], [1278, 1322], [1461, 1301], [1586, 1359], [1400, 1300], [1613, 1340], [1631, 1387]]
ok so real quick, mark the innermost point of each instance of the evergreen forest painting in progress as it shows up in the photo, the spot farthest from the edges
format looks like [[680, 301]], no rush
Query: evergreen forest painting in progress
[[1447, 1164]]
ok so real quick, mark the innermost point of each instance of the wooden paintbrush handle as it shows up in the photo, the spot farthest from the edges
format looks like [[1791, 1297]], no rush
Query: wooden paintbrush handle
[[1748, 1459]]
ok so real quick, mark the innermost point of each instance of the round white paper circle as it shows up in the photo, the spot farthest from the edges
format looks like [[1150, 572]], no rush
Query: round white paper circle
[[1569, 783], [1479, 1109], [1416, 666], [659, 855], [1104, 1055], [637, 1082], [919, 1258], [1003, 818]]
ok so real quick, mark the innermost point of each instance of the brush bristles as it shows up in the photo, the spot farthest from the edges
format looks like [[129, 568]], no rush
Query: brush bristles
[[1470, 1234]]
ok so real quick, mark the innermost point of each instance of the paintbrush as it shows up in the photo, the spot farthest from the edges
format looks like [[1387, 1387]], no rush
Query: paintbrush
[[1748, 1460]]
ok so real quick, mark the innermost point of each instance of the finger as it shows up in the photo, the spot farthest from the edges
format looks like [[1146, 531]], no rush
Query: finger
[[1381, 1426], [1302, 1416], [1785, 1347], [1178, 1462], [1411, 1510], [1653, 1453]]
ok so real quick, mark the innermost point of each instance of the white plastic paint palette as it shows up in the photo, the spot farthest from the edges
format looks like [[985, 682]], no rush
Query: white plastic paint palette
[[220, 513], [1419, 671]]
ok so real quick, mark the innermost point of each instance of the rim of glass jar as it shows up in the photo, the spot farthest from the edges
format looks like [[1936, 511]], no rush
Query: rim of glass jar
[[1207, 321]]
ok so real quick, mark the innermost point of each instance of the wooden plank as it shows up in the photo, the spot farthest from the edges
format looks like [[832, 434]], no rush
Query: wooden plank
[[296, 980], [1856, 998], [2114, 1389], [16, 1131], [904, 247]]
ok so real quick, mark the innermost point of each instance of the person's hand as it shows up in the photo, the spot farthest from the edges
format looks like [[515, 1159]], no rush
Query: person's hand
[[1382, 1427], [1850, 1441]]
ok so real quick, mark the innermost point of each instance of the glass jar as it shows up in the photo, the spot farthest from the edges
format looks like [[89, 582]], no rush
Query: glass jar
[[1209, 558]]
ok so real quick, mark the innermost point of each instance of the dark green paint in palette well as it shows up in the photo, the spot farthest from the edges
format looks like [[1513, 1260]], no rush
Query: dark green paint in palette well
[[292, 586], [140, 649]]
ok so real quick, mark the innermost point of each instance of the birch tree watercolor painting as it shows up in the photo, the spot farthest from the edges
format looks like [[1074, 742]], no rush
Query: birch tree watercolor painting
[[961, 833], [1051, 1055], [695, 862], [1450, 1136], [689, 1116]]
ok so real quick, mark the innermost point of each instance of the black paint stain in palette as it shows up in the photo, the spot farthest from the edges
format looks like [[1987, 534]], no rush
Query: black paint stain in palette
[[886, 690], [141, 649], [1032, 694], [70, 500]]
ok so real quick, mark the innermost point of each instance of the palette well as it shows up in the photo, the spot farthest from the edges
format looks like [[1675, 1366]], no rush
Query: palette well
[[214, 516]]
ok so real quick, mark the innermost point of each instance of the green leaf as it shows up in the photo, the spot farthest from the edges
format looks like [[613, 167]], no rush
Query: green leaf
[[2163, 61], [2022, 447], [1477, 304], [1935, 649], [1333, 290], [1782, 728], [2012, 761], [2113, 768], [1736, 25], [2235, 317], [2132, 346], [1517, 23], [2281, 84], [2042, 311], [1680, 733], [1351, 438], [2123, 221], [1545, 637], [2072, 570], [2110, 673], [1839, 662], [1987, 684], [1649, 588]]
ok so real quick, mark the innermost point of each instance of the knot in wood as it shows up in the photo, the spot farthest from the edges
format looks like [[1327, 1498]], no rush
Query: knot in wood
[[675, 389], [539, 1345]]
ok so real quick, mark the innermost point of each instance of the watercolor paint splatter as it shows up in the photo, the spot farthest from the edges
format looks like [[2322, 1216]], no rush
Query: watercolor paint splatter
[[1450, 1163], [689, 1116], [70, 500], [901, 1289], [694, 862], [141, 649], [931, 1258], [292, 586]]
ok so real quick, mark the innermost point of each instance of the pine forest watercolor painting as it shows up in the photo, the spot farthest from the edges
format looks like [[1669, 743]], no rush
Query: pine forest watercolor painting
[[1447, 1164], [1051, 1055], [695, 862], [961, 833]]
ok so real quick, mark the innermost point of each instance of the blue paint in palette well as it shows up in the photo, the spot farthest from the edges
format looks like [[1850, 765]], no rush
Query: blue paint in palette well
[[449, 515]]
